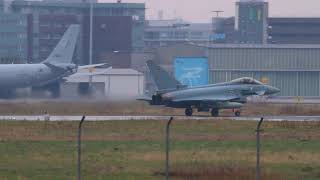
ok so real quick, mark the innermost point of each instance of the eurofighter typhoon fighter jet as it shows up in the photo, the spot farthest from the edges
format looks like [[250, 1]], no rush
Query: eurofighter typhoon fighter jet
[[56, 66], [227, 95]]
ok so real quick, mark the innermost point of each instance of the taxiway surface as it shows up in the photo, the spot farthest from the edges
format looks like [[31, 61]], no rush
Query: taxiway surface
[[128, 118]]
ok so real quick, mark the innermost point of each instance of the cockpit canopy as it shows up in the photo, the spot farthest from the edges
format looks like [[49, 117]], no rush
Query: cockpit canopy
[[246, 80]]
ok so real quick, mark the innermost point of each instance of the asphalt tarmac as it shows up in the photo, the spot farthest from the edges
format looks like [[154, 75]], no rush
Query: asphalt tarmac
[[158, 118]]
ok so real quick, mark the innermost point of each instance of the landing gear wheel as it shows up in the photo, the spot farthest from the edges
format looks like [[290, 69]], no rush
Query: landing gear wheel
[[156, 100], [54, 88], [188, 112], [215, 112], [237, 113]]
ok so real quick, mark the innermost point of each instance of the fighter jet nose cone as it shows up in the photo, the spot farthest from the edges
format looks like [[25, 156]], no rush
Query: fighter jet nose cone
[[273, 90]]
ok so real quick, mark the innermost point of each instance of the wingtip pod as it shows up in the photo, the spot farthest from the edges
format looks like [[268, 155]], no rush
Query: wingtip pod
[[63, 52]]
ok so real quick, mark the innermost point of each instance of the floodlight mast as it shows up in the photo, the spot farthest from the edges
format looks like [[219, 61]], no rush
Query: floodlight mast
[[91, 24]]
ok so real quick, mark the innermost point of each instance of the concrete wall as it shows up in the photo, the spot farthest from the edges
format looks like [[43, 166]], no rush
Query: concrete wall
[[124, 86]]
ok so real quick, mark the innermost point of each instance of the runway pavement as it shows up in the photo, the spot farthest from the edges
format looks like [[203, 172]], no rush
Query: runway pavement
[[127, 118], [253, 99]]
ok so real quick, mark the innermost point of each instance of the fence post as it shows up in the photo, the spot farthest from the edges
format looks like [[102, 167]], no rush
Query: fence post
[[79, 148], [168, 147], [258, 149]]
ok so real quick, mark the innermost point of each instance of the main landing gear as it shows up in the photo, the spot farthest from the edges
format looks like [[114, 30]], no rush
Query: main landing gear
[[188, 111], [215, 112], [237, 113]]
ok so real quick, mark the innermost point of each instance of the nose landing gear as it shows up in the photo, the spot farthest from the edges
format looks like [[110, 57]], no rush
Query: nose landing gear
[[215, 112]]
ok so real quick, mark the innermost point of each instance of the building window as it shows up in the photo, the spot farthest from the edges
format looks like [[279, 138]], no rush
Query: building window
[[135, 18]]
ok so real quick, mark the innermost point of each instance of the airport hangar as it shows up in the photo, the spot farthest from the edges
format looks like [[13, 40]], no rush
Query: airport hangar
[[105, 83], [295, 69]]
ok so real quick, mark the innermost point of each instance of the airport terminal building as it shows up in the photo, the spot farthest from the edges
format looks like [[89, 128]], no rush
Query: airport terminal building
[[167, 32]]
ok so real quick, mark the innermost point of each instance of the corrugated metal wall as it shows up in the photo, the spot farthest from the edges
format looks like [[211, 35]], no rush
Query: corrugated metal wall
[[296, 71], [265, 58]]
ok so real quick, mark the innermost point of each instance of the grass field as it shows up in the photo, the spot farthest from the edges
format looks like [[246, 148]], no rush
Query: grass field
[[140, 108], [134, 150]]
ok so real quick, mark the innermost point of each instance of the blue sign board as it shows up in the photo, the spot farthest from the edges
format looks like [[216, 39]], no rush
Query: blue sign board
[[192, 71], [218, 36]]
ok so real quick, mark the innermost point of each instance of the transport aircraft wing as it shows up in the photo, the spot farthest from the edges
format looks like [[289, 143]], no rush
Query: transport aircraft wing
[[91, 66]]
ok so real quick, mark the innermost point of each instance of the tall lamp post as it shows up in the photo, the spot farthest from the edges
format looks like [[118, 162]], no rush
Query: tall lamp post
[[91, 24]]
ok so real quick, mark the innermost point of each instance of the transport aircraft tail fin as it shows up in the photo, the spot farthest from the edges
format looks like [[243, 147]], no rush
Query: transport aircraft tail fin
[[63, 52]]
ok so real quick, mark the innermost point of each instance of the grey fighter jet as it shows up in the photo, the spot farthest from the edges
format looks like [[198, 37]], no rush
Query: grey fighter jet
[[227, 95], [56, 66]]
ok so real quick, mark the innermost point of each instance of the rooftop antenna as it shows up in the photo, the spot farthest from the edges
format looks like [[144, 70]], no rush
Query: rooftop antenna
[[175, 14], [160, 15], [218, 12]]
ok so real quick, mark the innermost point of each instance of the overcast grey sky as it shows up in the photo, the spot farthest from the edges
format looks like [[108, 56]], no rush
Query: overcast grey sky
[[200, 10]]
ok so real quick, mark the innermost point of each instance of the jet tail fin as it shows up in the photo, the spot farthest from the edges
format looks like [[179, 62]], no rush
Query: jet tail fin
[[162, 78], [64, 50]]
